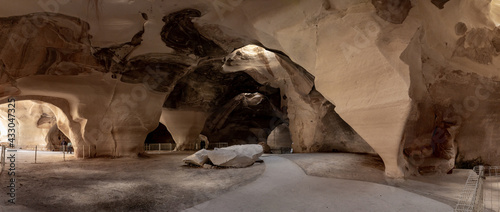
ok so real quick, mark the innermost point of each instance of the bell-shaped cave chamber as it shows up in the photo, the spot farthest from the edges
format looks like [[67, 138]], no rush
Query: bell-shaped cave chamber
[[255, 95]]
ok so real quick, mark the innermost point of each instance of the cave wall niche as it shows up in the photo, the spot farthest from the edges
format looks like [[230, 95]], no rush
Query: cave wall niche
[[54, 138]]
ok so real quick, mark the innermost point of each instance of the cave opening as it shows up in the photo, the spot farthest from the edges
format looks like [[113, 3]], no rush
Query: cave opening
[[159, 135], [159, 139], [54, 139], [248, 118], [39, 123], [227, 108], [30, 123]]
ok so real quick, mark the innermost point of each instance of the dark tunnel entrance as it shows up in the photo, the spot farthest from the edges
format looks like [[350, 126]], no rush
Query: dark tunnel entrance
[[159, 139]]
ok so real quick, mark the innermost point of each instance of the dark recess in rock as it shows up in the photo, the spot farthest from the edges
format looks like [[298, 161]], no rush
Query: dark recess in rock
[[339, 136], [394, 11], [478, 44], [113, 58], [496, 44], [207, 87], [45, 120], [496, 40], [145, 16], [237, 123], [439, 3], [159, 71], [54, 138], [460, 28], [180, 34], [159, 135]]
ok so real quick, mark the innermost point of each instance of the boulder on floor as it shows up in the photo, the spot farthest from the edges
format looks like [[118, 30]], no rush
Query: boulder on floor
[[236, 156], [199, 158], [265, 147]]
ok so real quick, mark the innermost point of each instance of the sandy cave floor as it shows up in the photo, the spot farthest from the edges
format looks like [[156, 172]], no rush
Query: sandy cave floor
[[364, 167], [158, 183], [122, 184]]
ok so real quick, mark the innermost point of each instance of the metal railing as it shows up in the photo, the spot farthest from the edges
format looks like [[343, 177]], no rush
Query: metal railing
[[282, 150], [33, 147], [481, 191], [217, 145], [159, 147], [171, 146]]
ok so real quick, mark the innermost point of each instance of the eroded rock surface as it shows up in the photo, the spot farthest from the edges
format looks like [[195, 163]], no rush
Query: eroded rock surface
[[237, 156], [44, 44], [478, 45], [303, 105], [246, 119], [394, 11], [180, 34], [439, 3], [280, 137]]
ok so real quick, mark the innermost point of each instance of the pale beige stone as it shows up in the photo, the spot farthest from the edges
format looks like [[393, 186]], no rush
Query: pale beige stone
[[185, 126]]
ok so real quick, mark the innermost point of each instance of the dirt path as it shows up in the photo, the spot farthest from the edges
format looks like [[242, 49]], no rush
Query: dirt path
[[285, 187], [370, 168]]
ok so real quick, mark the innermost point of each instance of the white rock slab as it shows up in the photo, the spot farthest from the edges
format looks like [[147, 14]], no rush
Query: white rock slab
[[236, 156], [199, 158]]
